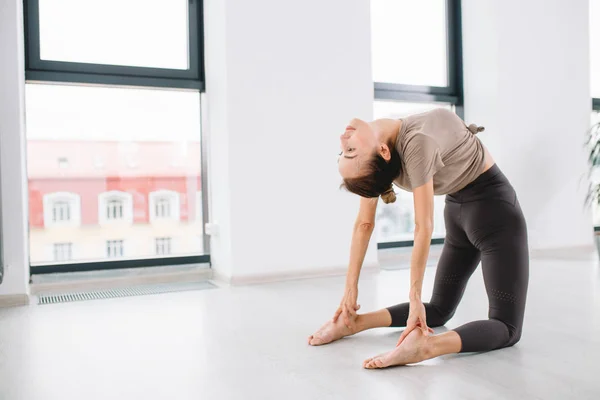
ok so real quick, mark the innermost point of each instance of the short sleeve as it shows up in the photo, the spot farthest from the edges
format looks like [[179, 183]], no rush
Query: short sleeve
[[422, 159]]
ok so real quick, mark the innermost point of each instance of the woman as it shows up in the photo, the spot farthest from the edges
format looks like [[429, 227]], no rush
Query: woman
[[435, 153]]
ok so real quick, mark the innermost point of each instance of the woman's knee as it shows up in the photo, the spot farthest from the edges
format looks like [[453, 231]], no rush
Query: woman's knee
[[514, 335]]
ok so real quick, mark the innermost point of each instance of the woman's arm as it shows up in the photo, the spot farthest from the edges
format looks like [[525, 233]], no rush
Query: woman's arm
[[423, 203], [423, 200], [361, 234]]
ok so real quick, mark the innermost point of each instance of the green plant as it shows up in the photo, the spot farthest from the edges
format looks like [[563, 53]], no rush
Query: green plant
[[593, 146]]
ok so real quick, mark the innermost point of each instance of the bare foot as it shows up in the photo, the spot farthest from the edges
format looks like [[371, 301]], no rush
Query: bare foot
[[413, 349], [330, 332]]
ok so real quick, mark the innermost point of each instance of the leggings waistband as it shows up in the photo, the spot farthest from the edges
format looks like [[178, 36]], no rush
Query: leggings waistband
[[491, 184], [483, 178]]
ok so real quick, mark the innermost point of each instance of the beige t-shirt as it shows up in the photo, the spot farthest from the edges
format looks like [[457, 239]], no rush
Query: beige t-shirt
[[439, 145]]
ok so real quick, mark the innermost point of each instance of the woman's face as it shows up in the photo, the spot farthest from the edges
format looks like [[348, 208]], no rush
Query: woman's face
[[358, 144]]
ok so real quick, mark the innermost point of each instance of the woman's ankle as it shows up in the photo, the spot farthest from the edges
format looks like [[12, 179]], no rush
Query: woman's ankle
[[428, 347], [444, 343], [378, 319], [361, 324]]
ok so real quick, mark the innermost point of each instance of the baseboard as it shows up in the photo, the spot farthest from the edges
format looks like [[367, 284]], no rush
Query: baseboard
[[120, 282], [14, 300], [288, 276], [220, 280]]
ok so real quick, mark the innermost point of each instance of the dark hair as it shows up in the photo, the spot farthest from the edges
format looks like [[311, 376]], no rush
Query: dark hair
[[379, 177]]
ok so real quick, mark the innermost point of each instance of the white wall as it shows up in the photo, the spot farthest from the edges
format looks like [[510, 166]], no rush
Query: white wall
[[283, 79], [526, 67], [12, 150]]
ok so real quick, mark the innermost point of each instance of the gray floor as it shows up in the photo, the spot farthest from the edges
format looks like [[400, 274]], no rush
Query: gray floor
[[250, 343]]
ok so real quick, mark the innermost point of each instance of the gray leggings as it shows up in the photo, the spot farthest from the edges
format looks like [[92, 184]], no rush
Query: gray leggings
[[484, 222]]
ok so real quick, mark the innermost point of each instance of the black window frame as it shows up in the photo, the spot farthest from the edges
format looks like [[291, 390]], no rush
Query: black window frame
[[452, 94], [65, 72], [37, 69]]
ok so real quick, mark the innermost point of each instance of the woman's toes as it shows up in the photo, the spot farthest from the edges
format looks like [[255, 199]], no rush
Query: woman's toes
[[378, 363], [316, 341]]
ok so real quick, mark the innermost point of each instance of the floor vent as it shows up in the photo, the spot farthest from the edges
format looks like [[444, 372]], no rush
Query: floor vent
[[122, 292]]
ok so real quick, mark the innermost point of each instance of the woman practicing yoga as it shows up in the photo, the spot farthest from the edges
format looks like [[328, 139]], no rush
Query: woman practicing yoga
[[435, 153]]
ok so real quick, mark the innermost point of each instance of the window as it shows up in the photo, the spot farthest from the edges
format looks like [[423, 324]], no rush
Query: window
[[403, 88], [99, 130], [114, 249], [68, 41], [63, 251], [162, 208], [595, 89], [114, 46], [114, 209], [426, 44], [437, 77], [62, 209], [163, 246], [595, 51], [99, 154], [164, 205], [115, 206], [595, 175]]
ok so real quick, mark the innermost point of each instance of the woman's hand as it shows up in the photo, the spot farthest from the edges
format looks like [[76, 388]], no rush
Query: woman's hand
[[416, 320], [348, 307]]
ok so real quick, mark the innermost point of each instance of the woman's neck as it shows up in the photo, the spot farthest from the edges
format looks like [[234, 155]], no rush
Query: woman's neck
[[387, 130]]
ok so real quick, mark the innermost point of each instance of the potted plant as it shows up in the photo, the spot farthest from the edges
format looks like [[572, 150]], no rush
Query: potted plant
[[593, 197]]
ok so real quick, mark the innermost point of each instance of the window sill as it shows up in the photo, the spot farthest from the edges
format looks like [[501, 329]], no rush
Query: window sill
[[111, 279]]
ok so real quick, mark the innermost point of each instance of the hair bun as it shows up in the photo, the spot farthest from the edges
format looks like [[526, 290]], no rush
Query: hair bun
[[475, 129], [389, 196]]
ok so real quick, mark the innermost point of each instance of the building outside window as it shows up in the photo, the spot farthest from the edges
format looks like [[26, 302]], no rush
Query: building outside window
[[164, 205], [63, 251], [115, 206], [115, 249], [61, 209], [163, 246]]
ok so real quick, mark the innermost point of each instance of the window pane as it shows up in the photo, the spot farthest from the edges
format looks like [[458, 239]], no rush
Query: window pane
[[595, 46], [62, 251], [408, 41], [395, 222], [137, 33], [98, 131]]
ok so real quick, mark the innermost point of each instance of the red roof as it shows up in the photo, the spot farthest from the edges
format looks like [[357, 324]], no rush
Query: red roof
[[77, 159]]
